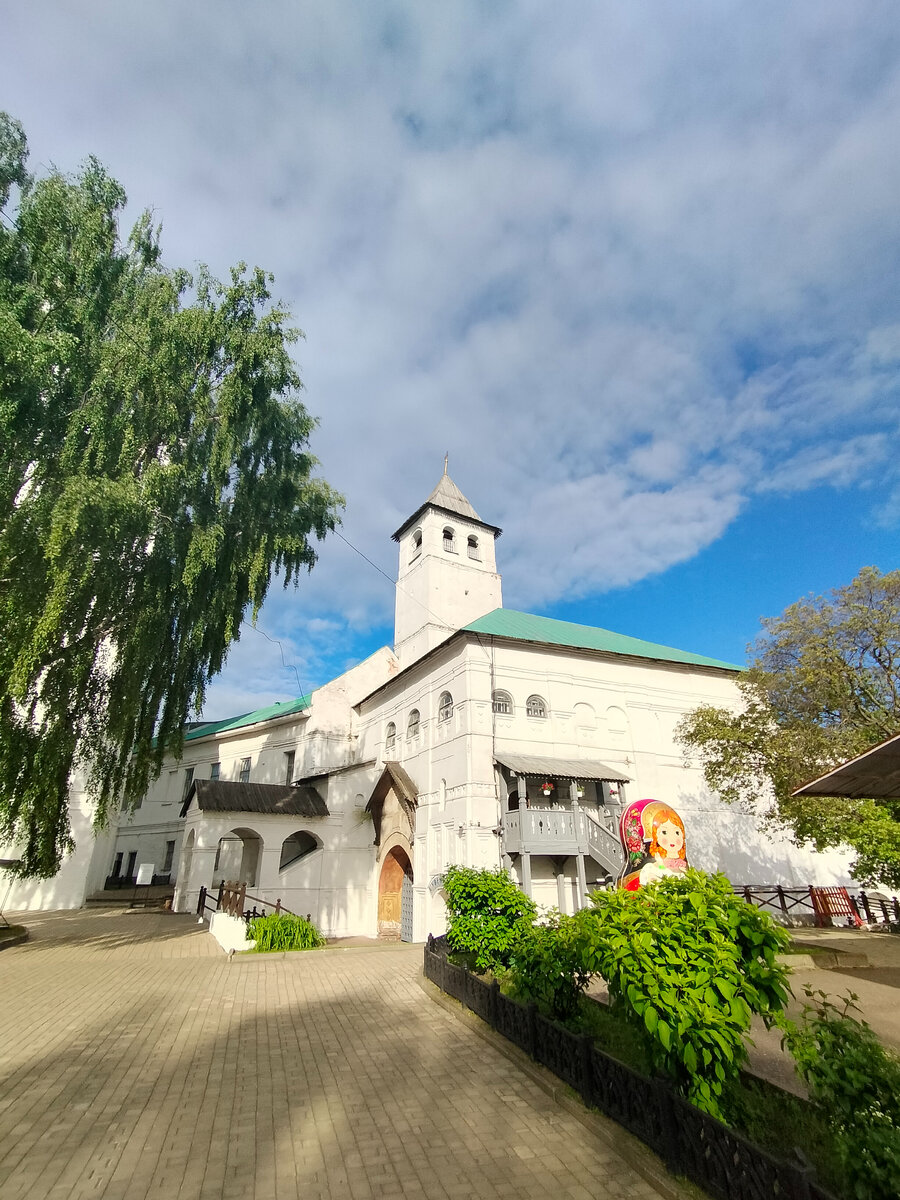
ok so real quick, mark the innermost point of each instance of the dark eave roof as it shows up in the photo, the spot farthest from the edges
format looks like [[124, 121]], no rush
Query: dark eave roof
[[874, 775], [447, 512], [275, 799]]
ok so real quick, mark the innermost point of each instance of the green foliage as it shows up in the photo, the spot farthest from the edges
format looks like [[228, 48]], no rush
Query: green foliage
[[854, 1082], [282, 931], [155, 475], [486, 914], [823, 685], [547, 966], [689, 963]]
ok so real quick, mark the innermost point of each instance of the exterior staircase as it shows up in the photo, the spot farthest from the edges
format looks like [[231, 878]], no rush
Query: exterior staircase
[[560, 832], [133, 897]]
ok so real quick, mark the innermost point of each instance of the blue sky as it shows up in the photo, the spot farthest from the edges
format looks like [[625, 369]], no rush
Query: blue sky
[[633, 265]]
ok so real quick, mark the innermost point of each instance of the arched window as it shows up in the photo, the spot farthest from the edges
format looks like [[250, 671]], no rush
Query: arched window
[[390, 737], [449, 540], [472, 547], [295, 847], [445, 707], [412, 726], [535, 706], [502, 703], [416, 544]]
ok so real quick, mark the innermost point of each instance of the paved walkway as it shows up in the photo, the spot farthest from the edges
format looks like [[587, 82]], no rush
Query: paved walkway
[[137, 1062]]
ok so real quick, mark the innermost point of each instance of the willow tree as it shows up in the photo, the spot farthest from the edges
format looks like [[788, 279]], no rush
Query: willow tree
[[822, 686], [154, 476]]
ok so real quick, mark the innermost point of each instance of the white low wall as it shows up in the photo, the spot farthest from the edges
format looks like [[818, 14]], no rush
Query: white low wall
[[230, 932]]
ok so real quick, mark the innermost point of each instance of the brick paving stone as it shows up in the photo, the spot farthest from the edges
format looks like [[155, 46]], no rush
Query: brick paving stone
[[137, 1061]]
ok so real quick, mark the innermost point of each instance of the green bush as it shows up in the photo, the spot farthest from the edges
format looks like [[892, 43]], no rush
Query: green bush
[[486, 915], [690, 963], [547, 966], [283, 931], [854, 1082]]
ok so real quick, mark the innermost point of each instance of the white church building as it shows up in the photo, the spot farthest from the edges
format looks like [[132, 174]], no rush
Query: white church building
[[486, 737]]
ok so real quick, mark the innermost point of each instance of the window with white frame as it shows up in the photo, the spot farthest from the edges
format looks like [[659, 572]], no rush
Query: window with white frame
[[501, 702], [215, 770], [289, 757], [390, 737], [472, 548], [188, 780], [445, 707], [416, 544], [535, 706], [412, 725], [244, 774], [449, 540]]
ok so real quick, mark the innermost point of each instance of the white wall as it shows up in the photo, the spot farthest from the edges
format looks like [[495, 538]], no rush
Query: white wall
[[82, 872]]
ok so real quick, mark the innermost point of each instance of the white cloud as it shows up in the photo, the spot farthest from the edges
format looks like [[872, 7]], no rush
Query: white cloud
[[630, 264]]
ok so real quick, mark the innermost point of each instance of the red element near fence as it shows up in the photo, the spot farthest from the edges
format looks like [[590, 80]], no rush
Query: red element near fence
[[831, 902]]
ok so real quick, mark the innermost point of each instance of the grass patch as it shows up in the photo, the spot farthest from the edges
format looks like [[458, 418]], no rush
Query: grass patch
[[281, 931], [782, 1123], [610, 1033]]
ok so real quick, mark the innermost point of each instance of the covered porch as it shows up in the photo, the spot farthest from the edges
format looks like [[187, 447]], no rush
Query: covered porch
[[561, 808]]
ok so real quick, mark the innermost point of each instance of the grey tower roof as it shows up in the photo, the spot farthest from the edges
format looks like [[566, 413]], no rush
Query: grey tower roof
[[449, 499], [447, 495]]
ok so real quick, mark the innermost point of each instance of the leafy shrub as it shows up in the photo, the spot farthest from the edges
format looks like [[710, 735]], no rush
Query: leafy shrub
[[282, 931], [690, 963], [854, 1082], [547, 966], [487, 914]]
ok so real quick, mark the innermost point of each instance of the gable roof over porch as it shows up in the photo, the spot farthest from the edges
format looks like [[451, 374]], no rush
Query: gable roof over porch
[[278, 799], [393, 777]]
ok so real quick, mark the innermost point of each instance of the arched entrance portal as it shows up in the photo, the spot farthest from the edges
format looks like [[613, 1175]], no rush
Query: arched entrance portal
[[395, 896]]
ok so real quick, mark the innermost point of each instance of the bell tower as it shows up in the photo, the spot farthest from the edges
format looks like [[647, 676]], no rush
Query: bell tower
[[447, 575]]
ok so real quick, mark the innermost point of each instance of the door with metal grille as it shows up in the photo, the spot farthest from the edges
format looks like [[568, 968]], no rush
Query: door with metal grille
[[406, 910]]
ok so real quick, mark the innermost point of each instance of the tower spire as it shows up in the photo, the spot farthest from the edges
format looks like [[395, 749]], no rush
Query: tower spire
[[447, 463]]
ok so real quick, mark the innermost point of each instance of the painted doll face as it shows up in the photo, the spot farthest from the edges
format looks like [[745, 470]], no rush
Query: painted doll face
[[670, 839]]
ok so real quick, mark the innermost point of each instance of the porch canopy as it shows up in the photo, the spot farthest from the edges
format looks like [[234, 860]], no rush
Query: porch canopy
[[560, 768], [874, 775], [277, 799]]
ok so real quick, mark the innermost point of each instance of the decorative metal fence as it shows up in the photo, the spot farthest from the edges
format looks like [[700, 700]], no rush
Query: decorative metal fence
[[690, 1142]]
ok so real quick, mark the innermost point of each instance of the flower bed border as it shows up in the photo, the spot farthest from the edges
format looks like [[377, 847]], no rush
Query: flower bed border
[[691, 1143]]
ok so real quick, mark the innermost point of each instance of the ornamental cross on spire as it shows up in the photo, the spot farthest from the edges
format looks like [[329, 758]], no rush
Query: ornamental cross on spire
[[446, 462]]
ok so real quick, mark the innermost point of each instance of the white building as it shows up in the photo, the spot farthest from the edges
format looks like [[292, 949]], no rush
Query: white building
[[349, 804]]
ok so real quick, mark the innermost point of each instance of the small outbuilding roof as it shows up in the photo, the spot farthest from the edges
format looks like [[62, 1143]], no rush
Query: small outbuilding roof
[[560, 768], [874, 775], [277, 799]]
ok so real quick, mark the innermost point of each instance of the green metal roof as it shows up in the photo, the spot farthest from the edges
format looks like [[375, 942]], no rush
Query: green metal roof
[[526, 627], [284, 708]]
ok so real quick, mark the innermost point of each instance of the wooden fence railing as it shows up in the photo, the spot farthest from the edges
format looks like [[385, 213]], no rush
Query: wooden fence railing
[[803, 905], [232, 898]]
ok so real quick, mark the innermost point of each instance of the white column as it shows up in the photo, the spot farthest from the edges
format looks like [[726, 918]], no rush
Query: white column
[[582, 880], [203, 860], [526, 873]]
